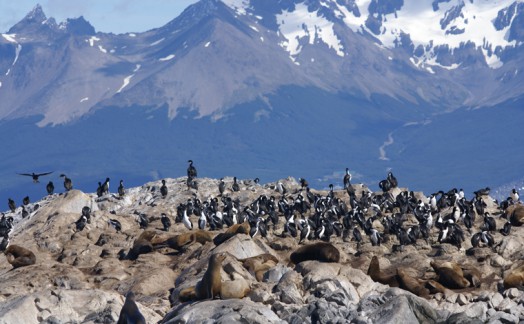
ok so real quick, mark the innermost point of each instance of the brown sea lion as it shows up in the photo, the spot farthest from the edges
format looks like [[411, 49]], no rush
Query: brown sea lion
[[472, 274], [390, 279], [514, 278], [179, 242], [411, 284], [141, 245], [211, 282], [516, 215], [232, 231], [130, 314], [320, 251], [450, 275], [434, 287], [259, 264], [19, 256]]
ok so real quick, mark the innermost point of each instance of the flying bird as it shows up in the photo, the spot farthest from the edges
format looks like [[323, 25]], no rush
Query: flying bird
[[35, 176]]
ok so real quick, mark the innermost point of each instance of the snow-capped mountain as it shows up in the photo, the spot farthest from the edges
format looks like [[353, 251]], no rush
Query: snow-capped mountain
[[319, 77]]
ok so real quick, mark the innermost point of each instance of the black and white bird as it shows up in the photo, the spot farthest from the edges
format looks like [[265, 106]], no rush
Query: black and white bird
[[186, 221], [221, 186], [482, 237], [235, 187], [50, 188], [68, 183], [163, 189], [347, 179], [305, 230], [26, 201], [86, 211], [11, 204], [105, 187], [165, 221], [142, 220], [4, 243], [115, 224], [514, 195], [506, 229], [121, 189], [202, 221], [81, 223], [191, 170], [35, 176]]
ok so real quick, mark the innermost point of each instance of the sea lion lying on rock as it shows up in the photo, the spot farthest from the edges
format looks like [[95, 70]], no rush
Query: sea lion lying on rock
[[179, 242], [232, 231], [450, 275], [321, 251], [259, 264], [516, 215], [411, 284], [390, 279], [19, 256], [514, 278]]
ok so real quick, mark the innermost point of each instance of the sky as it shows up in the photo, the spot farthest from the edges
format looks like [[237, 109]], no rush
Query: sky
[[116, 16]]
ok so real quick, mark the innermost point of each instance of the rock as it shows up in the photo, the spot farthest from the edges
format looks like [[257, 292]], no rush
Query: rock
[[502, 317], [462, 300], [276, 273], [60, 306], [462, 318], [222, 311], [512, 293], [401, 307], [236, 288], [477, 311], [290, 288], [241, 246], [509, 246], [496, 299]]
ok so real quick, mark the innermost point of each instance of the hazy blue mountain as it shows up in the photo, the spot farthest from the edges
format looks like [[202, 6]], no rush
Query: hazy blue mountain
[[254, 88]]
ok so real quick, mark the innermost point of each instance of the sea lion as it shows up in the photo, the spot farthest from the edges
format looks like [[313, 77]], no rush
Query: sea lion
[[450, 275], [434, 287], [142, 245], [321, 251], [235, 229], [382, 277], [130, 314], [411, 284], [210, 284], [181, 241], [516, 213], [19, 256], [258, 265], [238, 287], [514, 278], [472, 274]]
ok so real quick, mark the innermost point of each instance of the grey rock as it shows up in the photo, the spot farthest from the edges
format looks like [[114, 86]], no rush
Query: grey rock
[[276, 273], [462, 318], [289, 288], [496, 299], [222, 311], [462, 300], [512, 293], [502, 317]]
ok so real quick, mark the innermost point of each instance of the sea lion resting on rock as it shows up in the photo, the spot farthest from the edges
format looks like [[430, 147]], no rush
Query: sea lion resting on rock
[[412, 284], [450, 275], [232, 231], [321, 251], [211, 282], [515, 278], [180, 241], [381, 276], [19, 256], [516, 215], [259, 264]]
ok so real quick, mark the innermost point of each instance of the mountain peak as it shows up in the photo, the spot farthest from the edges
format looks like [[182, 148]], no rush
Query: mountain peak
[[36, 14], [33, 21], [78, 26]]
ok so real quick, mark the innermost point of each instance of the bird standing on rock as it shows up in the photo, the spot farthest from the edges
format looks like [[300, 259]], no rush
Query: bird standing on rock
[[165, 222], [50, 188], [12, 205], [191, 170], [121, 189], [163, 189], [68, 183]]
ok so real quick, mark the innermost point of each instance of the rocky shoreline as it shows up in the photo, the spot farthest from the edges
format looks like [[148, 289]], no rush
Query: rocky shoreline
[[82, 276]]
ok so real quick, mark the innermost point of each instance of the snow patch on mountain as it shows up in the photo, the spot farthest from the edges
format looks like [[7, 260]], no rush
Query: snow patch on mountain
[[92, 40], [238, 5], [126, 82], [454, 24], [300, 24], [157, 42], [167, 58]]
